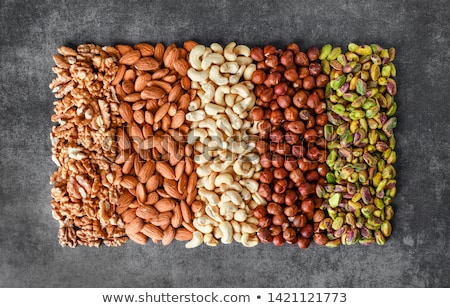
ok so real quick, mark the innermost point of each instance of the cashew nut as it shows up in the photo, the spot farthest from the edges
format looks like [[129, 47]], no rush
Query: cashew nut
[[213, 212], [196, 133], [237, 237], [223, 178], [212, 58], [210, 196], [249, 70], [240, 89], [208, 94], [198, 76], [246, 195], [230, 68], [258, 199], [230, 99], [236, 121], [213, 109], [209, 183], [244, 168], [196, 240], [233, 196], [236, 226], [227, 232], [234, 79], [217, 233], [227, 209], [237, 147], [220, 94], [209, 240], [216, 76], [251, 185], [225, 126], [254, 221], [228, 51], [242, 50], [194, 105], [195, 55], [249, 240], [202, 226], [216, 47], [203, 170], [240, 215], [244, 60]]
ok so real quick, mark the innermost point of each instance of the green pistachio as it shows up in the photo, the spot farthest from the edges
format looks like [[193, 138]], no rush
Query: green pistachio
[[379, 237], [364, 50], [336, 65], [391, 86], [384, 54], [352, 47], [386, 71], [350, 96], [360, 220], [391, 54], [330, 178], [325, 51], [333, 243], [372, 112], [338, 109], [370, 102], [388, 212], [382, 81], [375, 72], [337, 223], [337, 82], [356, 114], [378, 213], [367, 241], [389, 172], [335, 52], [378, 203], [361, 87], [342, 59], [335, 199], [350, 219], [392, 110], [392, 158], [387, 200], [386, 228], [393, 69], [376, 49], [381, 185], [326, 66]]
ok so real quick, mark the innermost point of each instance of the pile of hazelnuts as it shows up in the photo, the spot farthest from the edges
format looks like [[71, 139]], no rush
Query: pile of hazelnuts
[[290, 91]]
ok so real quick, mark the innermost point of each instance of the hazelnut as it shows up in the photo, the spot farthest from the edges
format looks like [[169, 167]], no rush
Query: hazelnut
[[262, 147], [266, 160], [257, 54], [303, 72], [287, 58], [320, 108], [283, 148], [276, 136], [309, 83], [264, 190], [310, 135], [315, 69], [276, 117], [299, 221], [266, 95], [290, 211], [278, 240], [318, 216], [264, 235], [280, 89], [258, 77], [313, 53], [264, 222], [275, 230], [291, 113], [291, 138], [280, 173], [264, 127], [321, 119], [298, 150], [280, 186], [323, 169], [300, 98], [273, 79], [266, 177], [277, 160], [296, 176], [290, 163], [291, 74], [307, 205], [293, 47], [312, 176], [290, 235], [301, 59], [271, 60], [274, 208], [303, 242], [297, 127], [269, 50], [306, 189], [278, 198], [290, 197], [306, 231], [259, 211], [284, 101], [320, 239], [313, 100], [321, 80], [256, 114]]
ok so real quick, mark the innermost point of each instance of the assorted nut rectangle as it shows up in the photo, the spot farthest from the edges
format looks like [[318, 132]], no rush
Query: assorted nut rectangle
[[220, 144]]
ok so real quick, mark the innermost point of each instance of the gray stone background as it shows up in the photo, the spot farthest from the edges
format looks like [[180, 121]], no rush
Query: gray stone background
[[416, 255]]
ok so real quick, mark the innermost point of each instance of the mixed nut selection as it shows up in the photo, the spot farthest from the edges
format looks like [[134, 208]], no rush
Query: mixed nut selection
[[210, 144]]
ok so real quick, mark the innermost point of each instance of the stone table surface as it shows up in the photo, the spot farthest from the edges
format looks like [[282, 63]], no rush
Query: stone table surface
[[416, 255]]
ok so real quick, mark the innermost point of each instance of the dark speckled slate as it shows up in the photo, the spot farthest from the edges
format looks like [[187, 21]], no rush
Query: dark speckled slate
[[417, 254]]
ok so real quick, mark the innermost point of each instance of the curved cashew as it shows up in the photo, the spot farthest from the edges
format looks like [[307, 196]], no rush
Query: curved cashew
[[240, 89], [249, 70], [216, 47], [219, 166], [208, 94], [244, 60], [251, 185], [209, 183], [237, 237], [252, 205], [194, 104], [230, 68], [227, 232], [246, 195], [198, 76], [228, 51], [203, 170], [250, 85], [196, 240], [254, 128], [213, 109], [210, 196], [240, 215], [203, 228], [205, 220], [217, 233], [225, 126], [202, 158], [249, 240], [233, 196], [227, 209], [214, 213], [216, 141], [244, 105], [234, 79], [196, 133], [209, 240], [244, 168], [230, 99], [258, 199], [248, 228], [194, 56], [220, 94], [236, 121], [212, 58], [216, 76], [242, 50], [223, 178], [252, 157], [236, 226], [237, 147], [254, 221]]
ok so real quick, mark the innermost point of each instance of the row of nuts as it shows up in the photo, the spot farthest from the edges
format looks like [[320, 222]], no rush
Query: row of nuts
[[361, 183], [154, 166], [86, 114], [224, 143], [290, 110]]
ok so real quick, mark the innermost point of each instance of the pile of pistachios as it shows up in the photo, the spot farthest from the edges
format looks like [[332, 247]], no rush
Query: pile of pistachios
[[361, 144]]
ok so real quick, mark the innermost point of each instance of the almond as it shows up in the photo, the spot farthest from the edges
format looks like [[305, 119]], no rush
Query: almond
[[183, 102], [152, 198], [146, 50], [182, 183], [185, 211], [165, 170], [175, 93], [188, 45], [119, 92], [185, 83], [171, 78], [159, 52], [183, 234], [151, 142], [128, 215], [146, 64], [128, 86], [170, 55], [189, 167], [179, 170], [133, 97], [181, 66], [146, 212], [165, 205], [189, 226], [123, 142], [141, 82], [123, 49], [139, 116], [112, 51], [125, 199], [152, 183], [134, 226], [141, 194], [152, 92], [128, 182], [119, 74], [152, 231], [147, 170], [192, 182], [177, 217], [129, 162], [130, 74], [163, 220], [171, 187], [160, 73], [169, 235], [178, 119], [130, 57], [161, 112], [166, 86], [138, 238], [190, 196]]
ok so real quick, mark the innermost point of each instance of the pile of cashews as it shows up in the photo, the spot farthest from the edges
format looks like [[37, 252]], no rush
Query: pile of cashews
[[224, 141]]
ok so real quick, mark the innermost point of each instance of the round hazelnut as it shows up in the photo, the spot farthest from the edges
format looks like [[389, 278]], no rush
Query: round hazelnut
[[293, 47], [323, 169], [297, 176], [264, 235], [298, 150], [276, 117], [265, 222], [278, 240], [269, 50], [299, 221], [297, 127], [312, 176], [300, 99], [291, 138], [280, 186], [313, 53], [301, 59], [277, 160], [258, 77], [264, 190], [290, 197], [287, 58], [320, 239], [283, 148], [291, 113], [303, 72], [290, 235], [257, 54], [318, 216], [259, 211], [290, 163], [256, 114], [278, 198], [291, 74], [306, 231], [290, 211], [309, 82], [266, 177], [281, 88], [266, 160], [271, 60], [315, 69], [321, 80], [321, 119], [303, 242], [307, 205], [280, 173], [274, 208], [275, 230], [284, 101], [276, 136]]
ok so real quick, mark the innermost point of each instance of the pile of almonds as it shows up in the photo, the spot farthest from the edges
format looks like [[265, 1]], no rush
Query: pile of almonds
[[196, 143]]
